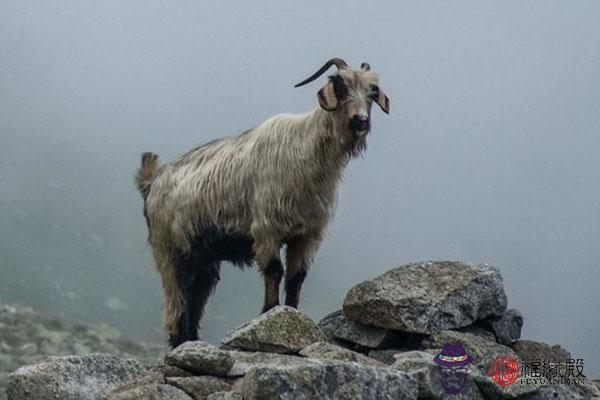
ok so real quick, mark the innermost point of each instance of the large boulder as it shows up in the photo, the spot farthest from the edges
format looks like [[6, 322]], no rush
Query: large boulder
[[328, 381], [200, 358], [428, 297], [280, 330], [72, 378], [337, 327], [329, 351]]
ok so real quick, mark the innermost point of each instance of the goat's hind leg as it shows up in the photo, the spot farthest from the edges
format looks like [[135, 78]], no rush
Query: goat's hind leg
[[196, 279]]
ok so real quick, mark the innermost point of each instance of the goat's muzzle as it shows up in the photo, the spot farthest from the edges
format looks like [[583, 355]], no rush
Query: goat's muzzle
[[359, 125]]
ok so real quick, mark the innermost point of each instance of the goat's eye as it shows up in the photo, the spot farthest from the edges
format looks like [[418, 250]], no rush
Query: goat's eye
[[374, 92]]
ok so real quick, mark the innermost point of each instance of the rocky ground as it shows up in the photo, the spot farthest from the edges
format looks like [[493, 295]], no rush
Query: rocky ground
[[27, 337], [380, 345]]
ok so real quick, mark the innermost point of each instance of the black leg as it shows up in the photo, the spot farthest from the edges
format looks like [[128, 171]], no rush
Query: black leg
[[272, 275], [293, 285], [196, 277]]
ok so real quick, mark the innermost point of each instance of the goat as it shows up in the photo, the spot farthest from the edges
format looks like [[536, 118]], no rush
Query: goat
[[243, 198]]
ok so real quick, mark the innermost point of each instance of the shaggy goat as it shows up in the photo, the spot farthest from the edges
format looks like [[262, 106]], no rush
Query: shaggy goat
[[242, 198]]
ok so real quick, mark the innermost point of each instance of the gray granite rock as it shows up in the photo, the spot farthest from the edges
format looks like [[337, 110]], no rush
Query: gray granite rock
[[506, 327], [245, 361], [151, 391], [328, 380], [280, 330], [337, 326], [428, 297], [483, 351], [420, 365], [560, 392], [534, 350], [72, 378], [491, 390], [385, 356], [478, 330], [200, 387], [225, 396], [328, 351], [200, 358], [30, 337]]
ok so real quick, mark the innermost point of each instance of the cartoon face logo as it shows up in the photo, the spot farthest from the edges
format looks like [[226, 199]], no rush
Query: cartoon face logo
[[452, 365]]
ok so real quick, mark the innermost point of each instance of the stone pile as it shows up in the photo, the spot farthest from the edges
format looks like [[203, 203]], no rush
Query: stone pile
[[380, 345]]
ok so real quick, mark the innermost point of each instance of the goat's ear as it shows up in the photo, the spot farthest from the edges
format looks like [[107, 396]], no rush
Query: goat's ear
[[327, 98], [383, 101]]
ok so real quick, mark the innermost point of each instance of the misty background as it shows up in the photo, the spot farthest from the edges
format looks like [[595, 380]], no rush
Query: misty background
[[489, 154]]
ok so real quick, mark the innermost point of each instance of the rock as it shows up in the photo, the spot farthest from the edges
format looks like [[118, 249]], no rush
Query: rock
[[153, 391], [559, 392], [72, 378], [590, 386], [328, 380], [283, 329], [492, 390], [385, 356], [225, 396], [531, 350], [245, 361], [390, 356], [420, 365], [477, 330], [337, 326], [29, 337], [483, 351], [200, 358], [506, 328], [168, 370], [328, 351], [414, 355], [428, 297], [199, 387]]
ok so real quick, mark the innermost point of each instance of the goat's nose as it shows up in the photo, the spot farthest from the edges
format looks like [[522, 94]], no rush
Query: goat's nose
[[360, 122]]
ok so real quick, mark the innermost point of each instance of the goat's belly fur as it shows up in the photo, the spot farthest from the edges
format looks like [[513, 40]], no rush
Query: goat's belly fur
[[215, 245]]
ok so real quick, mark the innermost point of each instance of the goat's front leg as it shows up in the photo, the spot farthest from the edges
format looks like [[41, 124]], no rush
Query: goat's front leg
[[269, 262], [272, 275], [298, 257]]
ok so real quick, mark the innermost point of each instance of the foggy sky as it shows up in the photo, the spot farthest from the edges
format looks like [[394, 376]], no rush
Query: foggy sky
[[489, 154]]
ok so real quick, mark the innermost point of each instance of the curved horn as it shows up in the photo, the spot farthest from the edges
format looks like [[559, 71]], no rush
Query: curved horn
[[338, 62], [365, 66]]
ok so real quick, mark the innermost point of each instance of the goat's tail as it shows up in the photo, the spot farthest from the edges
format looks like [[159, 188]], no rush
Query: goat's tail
[[146, 173]]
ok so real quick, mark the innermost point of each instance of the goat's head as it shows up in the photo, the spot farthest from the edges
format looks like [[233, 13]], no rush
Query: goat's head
[[350, 93]]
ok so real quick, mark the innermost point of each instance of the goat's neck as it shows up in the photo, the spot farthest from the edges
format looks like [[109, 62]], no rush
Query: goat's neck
[[331, 143]]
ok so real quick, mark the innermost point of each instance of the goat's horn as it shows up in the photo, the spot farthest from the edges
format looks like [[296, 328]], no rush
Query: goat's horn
[[365, 66], [338, 62]]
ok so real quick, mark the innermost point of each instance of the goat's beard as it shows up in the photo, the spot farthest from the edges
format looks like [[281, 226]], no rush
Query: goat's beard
[[356, 145]]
